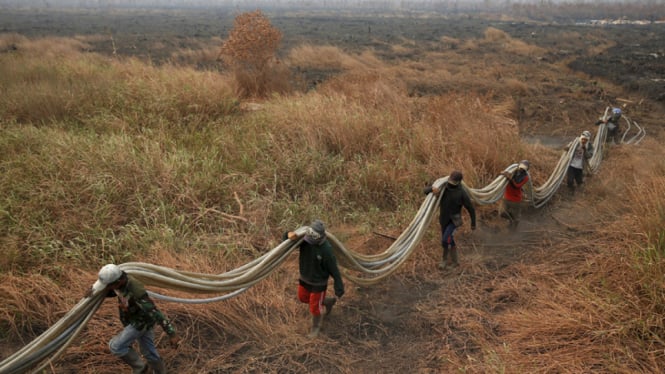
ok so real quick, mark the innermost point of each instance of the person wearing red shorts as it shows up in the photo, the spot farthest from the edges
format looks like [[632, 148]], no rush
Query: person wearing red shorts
[[317, 263]]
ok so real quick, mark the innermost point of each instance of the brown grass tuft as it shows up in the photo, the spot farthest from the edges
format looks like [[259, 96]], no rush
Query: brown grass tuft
[[317, 57]]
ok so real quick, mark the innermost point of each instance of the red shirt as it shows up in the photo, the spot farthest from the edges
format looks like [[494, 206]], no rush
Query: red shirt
[[514, 189]]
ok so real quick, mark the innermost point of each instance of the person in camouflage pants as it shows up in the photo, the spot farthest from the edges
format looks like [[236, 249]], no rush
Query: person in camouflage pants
[[139, 315]]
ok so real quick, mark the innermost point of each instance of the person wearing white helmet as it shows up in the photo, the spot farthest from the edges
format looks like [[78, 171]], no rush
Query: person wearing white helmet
[[582, 153], [511, 208], [139, 315]]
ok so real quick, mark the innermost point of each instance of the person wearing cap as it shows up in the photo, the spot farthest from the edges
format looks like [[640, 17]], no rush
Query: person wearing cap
[[613, 125], [511, 208], [582, 153], [317, 263], [450, 215], [138, 315]]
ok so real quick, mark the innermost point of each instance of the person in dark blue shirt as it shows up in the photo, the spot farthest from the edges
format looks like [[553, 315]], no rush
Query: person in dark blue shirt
[[450, 215]]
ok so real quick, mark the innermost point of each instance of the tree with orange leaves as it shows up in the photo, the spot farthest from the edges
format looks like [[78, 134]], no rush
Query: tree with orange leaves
[[250, 51]]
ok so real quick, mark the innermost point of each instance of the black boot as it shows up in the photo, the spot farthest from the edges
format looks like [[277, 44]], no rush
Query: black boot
[[157, 366], [444, 261], [512, 226], [329, 302], [571, 190], [134, 360], [453, 254]]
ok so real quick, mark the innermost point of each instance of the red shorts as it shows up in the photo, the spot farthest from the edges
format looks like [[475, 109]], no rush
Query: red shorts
[[314, 299]]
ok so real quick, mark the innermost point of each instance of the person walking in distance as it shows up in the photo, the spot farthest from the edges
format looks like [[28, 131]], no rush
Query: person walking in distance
[[511, 208], [139, 315], [317, 263], [450, 215], [613, 126], [582, 153]]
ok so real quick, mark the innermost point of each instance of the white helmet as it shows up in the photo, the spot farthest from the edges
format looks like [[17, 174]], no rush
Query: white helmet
[[108, 274], [524, 165], [616, 111], [586, 134]]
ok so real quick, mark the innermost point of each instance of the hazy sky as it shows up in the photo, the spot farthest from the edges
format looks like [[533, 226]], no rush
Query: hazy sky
[[347, 5], [397, 3]]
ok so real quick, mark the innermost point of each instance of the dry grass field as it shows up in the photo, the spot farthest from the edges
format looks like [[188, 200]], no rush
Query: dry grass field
[[124, 138]]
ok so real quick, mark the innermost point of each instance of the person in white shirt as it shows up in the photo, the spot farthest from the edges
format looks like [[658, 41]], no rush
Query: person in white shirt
[[583, 152]]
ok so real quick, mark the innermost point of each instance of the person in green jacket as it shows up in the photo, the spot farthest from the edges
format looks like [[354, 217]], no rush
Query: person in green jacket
[[139, 315], [317, 263]]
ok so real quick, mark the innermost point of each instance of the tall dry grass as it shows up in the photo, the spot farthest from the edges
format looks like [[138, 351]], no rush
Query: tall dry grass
[[106, 189], [330, 57], [67, 84], [496, 39], [586, 294], [383, 146]]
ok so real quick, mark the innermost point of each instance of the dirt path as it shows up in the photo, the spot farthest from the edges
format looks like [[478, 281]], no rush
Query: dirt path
[[412, 320]]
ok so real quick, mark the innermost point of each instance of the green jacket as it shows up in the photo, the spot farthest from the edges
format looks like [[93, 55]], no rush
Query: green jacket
[[137, 309], [317, 263]]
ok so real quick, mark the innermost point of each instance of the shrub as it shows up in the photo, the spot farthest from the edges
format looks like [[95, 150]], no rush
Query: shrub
[[250, 52]]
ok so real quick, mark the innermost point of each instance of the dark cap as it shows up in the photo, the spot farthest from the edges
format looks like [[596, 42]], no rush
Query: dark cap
[[455, 177], [318, 226]]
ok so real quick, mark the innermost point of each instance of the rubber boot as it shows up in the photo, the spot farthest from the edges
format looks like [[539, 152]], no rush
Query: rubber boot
[[316, 326], [512, 226], [134, 360], [453, 254], [571, 190], [157, 366], [444, 261], [329, 302], [504, 215]]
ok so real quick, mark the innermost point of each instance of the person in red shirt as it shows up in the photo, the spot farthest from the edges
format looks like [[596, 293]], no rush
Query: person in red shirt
[[512, 197]]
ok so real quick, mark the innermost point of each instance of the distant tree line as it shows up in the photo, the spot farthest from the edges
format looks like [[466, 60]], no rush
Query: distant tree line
[[552, 10], [650, 10]]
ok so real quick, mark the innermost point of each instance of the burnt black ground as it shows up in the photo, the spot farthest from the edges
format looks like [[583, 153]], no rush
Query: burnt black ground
[[636, 62]]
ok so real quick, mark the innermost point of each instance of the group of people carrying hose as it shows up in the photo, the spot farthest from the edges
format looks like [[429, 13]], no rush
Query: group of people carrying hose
[[584, 149], [139, 315], [455, 197], [317, 262]]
